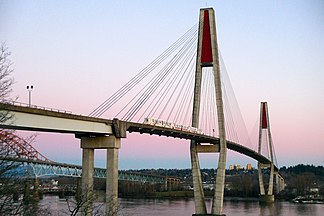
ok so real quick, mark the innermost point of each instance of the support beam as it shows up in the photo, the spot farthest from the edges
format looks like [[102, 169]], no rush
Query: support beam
[[199, 196], [87, 181], [217, 206], [270, 189], [200, 206], [207, 148], [277, 183], [112, 182], [261, 185], [282, 184], [112, 144]]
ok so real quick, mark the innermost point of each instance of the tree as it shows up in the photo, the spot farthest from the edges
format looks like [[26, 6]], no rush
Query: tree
[[5, 71], [6, 81], [12, 186], [82, 201]]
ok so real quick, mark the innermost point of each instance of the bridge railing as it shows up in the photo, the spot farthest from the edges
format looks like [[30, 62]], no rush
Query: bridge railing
[[16, 103]]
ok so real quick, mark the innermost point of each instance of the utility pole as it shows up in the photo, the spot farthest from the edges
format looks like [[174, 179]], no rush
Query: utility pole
[[29, 89]]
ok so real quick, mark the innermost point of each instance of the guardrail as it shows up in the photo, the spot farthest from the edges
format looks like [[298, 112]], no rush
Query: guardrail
[[16, 103]]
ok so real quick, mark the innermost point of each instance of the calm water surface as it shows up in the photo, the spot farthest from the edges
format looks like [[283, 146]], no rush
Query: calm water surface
[[163, 207]]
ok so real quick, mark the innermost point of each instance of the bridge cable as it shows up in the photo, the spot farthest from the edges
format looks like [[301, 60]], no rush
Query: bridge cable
[[233, 104], [190, 60], [152, 86], [142, 74], [188, 83], [149, 91], [156, 82], [188, 89], [154, 79], [169, 84], [109, 102]]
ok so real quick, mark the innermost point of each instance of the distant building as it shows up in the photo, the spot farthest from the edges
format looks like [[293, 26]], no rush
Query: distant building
[[248, 167], [238, 167], [235, 167]]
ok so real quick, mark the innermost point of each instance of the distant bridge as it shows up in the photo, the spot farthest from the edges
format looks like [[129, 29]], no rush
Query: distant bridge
[[20, 152], [45, 168]]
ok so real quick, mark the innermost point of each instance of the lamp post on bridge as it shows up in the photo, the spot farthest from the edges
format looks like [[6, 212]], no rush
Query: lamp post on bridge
[[29, 89]]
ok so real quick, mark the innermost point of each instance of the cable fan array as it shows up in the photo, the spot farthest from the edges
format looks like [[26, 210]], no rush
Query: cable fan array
[[265, 151], [164, 90]]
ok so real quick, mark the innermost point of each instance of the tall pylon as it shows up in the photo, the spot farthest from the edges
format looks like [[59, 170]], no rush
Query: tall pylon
[[264, 130], [208, 56]]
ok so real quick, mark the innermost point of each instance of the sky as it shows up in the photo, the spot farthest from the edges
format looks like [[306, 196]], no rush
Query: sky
[[77, 53]]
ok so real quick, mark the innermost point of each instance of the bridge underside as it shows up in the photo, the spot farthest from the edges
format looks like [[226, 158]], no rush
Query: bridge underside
[[168, 132]]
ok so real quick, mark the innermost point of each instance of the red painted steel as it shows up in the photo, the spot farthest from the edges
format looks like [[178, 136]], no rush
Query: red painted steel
[[206, 50], [17, 147], [264, 117]]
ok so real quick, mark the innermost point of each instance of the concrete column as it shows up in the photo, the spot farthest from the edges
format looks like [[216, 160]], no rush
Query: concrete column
[[112, 144], [169, 184], [282, 184], [261, 185], [200, 206], [36, 191], [277, 183], [112, 182], [217, 207], [199, 196], [87, 180], [270, 189]]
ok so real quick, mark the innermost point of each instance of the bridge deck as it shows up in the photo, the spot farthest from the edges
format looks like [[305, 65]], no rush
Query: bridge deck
[[34, 119]]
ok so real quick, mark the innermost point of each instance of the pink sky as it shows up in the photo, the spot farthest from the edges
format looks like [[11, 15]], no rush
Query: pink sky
[[77, 54]]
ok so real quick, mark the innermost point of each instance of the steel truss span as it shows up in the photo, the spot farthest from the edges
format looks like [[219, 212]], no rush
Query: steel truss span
[[41, 169]]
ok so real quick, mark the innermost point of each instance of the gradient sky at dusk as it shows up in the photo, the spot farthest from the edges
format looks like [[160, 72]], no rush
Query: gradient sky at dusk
[[78, 53]]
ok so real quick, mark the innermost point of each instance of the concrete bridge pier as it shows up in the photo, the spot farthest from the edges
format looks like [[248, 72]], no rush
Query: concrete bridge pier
[[87, 180], [266, 197], [199, 196], [280, 183], [88, 145], [112, 177]]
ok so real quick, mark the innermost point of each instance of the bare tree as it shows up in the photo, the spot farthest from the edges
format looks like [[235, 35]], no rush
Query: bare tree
[[5, 71], [84, 203], [12, 185], [6, 81]]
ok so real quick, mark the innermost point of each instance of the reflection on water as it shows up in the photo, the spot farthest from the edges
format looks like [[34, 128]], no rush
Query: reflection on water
[[165, 207]]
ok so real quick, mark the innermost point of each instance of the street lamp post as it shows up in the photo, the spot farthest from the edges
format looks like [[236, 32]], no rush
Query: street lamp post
[[29, 89]]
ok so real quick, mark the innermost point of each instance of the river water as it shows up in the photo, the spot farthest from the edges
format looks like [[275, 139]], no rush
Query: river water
[[166, 207]]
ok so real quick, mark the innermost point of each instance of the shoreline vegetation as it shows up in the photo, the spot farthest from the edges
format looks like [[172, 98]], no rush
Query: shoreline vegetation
[[300, 181]]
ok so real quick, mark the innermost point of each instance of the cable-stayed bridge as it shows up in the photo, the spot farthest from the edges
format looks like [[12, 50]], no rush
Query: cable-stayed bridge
[[184, 93], [63, 124]]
